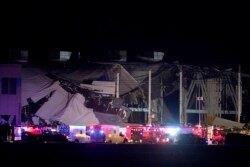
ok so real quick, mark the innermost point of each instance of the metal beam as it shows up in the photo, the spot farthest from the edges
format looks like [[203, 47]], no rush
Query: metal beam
[[194, 111]]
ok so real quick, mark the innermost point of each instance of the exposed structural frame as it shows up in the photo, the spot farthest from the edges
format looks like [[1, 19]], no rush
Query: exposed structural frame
[[204, 96]]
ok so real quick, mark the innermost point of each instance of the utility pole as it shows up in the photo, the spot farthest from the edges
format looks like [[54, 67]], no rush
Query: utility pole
[[117, 84], [162, 109], [239, 94], [199, 105], [149, 98], [181, 120], [199, 98]]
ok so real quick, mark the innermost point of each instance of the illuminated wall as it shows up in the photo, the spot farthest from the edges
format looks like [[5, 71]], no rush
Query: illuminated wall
[[10, 93]]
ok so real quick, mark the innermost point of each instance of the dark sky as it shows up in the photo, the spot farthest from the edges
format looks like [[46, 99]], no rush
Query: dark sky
[[196, 35], [201, 34]]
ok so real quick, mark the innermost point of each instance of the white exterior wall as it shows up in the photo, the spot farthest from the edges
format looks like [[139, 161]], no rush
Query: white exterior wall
[[10, 104]]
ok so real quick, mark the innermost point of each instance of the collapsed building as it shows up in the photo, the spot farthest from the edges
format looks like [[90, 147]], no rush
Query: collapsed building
[[119, 94]]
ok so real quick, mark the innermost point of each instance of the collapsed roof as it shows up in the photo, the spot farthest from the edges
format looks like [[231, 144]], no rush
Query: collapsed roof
[[100, 78], [64, 106], [99, 72]]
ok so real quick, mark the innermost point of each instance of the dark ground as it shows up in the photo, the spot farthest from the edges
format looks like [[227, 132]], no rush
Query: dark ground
[[129, 155]]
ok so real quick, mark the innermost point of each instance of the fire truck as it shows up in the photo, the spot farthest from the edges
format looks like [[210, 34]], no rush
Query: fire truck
[[155, 134], [135, 133], [213, 135], [146, 134]]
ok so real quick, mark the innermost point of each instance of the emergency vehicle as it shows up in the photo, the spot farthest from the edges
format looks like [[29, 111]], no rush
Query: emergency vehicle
[[146, 134], [154, 134], [116, 138], [96, 133], [134, 133], [41, 134], [213, 135], [114, 134], [77, 134], [172, 132]]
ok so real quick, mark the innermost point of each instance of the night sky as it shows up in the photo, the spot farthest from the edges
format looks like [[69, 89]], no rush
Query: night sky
[[203, 35], [199, 35]]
